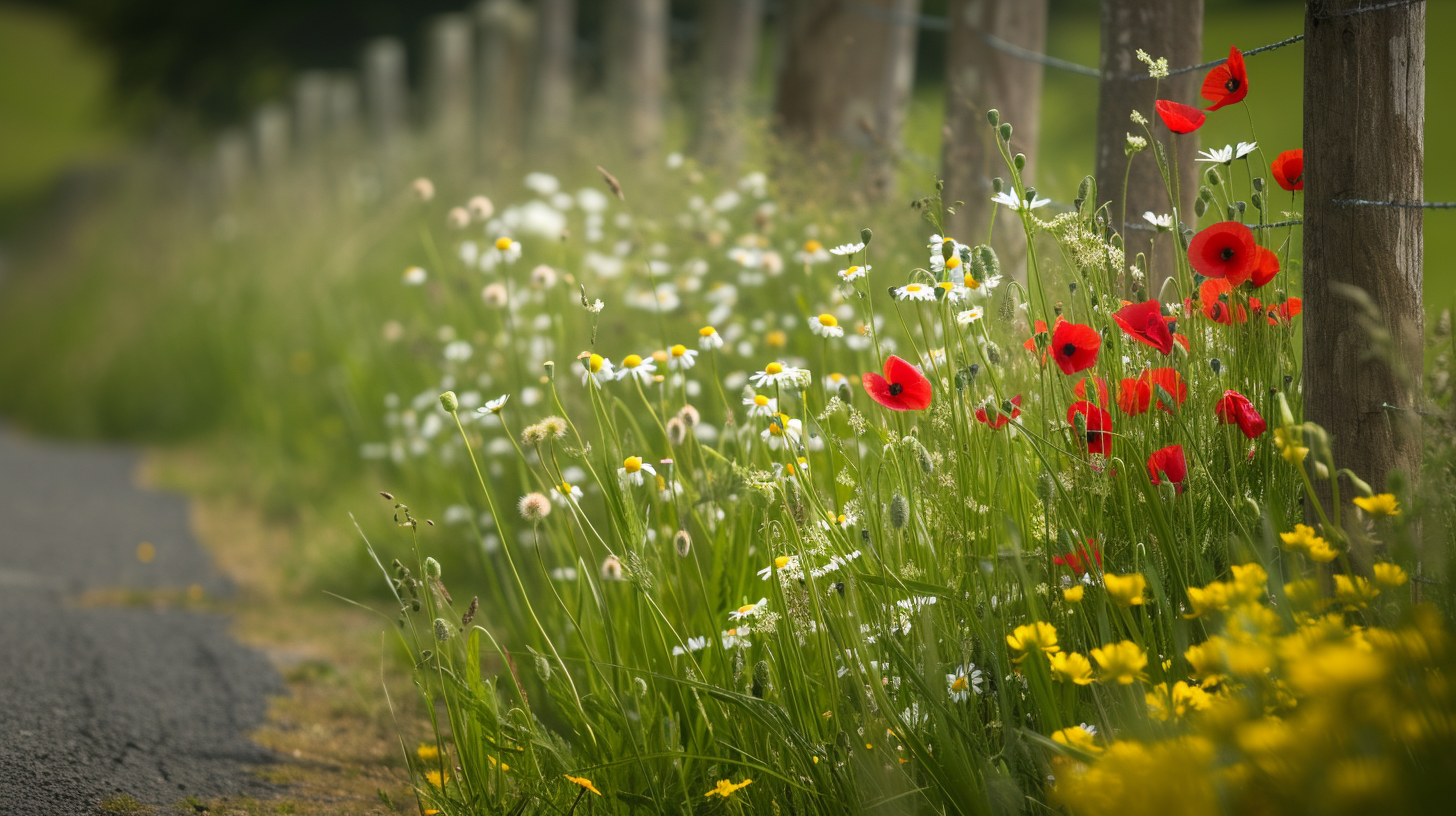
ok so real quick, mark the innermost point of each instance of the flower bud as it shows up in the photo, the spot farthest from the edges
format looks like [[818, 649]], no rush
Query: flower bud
[[1231, 213], [1087, 190], [1005, 131], [865, 235], [432, 567], [994, 117], [683, 543], [470, 611], [1200, 207], [899, 512], [1286, 416], [1215, 364], [1257, 200], [1205, 193], [1165, 398], [1259, 183], [762, 682], [442, 630], [550, 366], [1020, 161], [450, 402], [998, 184], [1212, 177], [543, 668]]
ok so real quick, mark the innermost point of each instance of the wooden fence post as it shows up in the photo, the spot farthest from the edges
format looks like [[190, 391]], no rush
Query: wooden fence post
[[555, 52], [892, 103], [1364, 113], [643, 48], [271, 138], [507, 28], [451, 39], [310, 109], [730, 31], [386, 94], [1164, 28]]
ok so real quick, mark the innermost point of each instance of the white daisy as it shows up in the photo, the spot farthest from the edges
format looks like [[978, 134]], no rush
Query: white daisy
[[783, 562], [748, 610], [1217, 155], [681, 358], [509, 249], [1009, 200], [813, 252], [596, 370], [780, 429], [854, 272], [632, 469], [1162, 222], [780, 375], [915, 291], [694, 644], [1245, 148], [969, 316], [826, 325], [635, 366], [847, 249], [566, 494], [709, 339], [761, 406], [963, 682], [414, 276], [493, 406], [733, 637]]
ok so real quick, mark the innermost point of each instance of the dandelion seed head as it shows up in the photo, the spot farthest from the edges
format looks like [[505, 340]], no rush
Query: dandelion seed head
[[534, 507]]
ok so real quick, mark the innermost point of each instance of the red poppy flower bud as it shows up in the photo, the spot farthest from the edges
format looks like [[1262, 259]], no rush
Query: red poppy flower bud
[[1179, 118], [1168, 463], [1288, 170]]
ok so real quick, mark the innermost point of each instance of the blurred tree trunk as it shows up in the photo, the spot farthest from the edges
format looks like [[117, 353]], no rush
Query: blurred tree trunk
[[1364, 114], [641, 46], [555, 48], [979, 78], [386, 95], [897, 80], [834, 66], [507, 28], [1163, 28], [730, 48], [450, 39]]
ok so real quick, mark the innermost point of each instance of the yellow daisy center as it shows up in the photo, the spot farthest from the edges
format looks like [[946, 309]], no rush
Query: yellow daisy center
[[595, 363], [503, 243], [679, 350], [960, 684], [660, 356], [914, 287], [828, 320], [773, 368], [781, 561], [707, 331], [631, 361], [812, 245], [632, 464], [759, 399], [952, 262]]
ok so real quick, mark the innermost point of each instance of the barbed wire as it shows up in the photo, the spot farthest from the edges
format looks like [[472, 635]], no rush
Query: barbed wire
[[1367, 9], [1251, 52], [1409, 205]]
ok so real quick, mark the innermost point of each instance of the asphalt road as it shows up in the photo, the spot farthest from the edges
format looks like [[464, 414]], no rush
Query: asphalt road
[[101, 700]]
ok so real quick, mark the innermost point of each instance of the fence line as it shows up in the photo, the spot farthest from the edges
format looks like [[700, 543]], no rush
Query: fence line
[[1409, 205]]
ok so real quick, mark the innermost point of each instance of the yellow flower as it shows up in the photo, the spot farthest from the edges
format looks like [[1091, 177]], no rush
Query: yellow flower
[[707, 331], [632, 464], [437, 778], [1182, 699], [776, 338], [632, 360], [1212, 598], [1074, 594], [1381, 504], [1288, 441], [427, 753], [503, 243], [1354, 590], [494, 762], [1079, 738], [1304, 540], [1121, 662], [725, 788], [1029, 637], [1127, 590], [1207, 658], [1304, 594], [1390, 575], [1251, 582], [1073, 667], [811, 246], [584, 782]]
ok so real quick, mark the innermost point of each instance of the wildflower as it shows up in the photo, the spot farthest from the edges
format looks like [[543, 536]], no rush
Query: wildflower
[[1287, 439], [493, 406], [1183, 698], [1162, 222], [509, 248], [778, 374], [1126, 590], [632, 469], [585, 783], [709, 339], [1093, 428], [782, 429], [1179, 118], [1235, 409], [1391, 575], [480, 208], [811, 253], [565, 494], [1212, 598], [1224, 250], [1157, 68], [1381, 504], [1001, 418], [597, 370], [1168, 463], [1285, 312], [1078, 737], [826, 325], [1080, 389], [543, 277], [1031, 637], [779, 563], [1217, 155], [1226, 84], [611, 568], [732, 638], [1138, 118], [914, 291], [847, 249], [963, 682], [1303, 539], [969, 316], [1135, 144], [1015, 203], [761, 406], [1288, 170], [681, 358], [1134, 397], [534, 507], [1080, 560], [414, 276], [902, 388], [1073, 594], [1144, 322], [1266, 268], [1074, 347], [854, 272], [1071, 666], [423, 189], [1354, 590], [437, 778], [634, 366], [1250, 582], [748, 610], [427, 752], [495, 295], [1121, 662], [725, 788], [694, 644]]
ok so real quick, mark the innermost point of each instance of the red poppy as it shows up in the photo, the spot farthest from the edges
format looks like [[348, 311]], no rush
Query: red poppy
[[1178, 117], [1097, 437], [1170, 381], [1135, 396], [1285, 312], [1182, 340], [1228, 83], [1080, 389], [1080, 560], [1288, 170], [1214, 303], [1001, 416], [1266, 268], [1224, 250], [1144, 321], [1235, 409], [903, 388], [1074, 347], [1168, 463]]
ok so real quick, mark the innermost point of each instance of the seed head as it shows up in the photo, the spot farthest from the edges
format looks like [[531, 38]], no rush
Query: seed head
[[534, 507], [683, 543], [470, 611], [899, 512], [554, 425], [442, 630], [690, 416], [534, 434], [677, 432], [458, 218], [423, 189], [611, 568], [432, 567]]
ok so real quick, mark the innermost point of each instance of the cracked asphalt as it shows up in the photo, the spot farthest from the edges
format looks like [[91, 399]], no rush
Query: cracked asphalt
[[96, 701]]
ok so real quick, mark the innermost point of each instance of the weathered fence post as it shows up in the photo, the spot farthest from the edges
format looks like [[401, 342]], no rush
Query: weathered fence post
[[451, 39], [232, 161], [310, 109], [643, 61], [892, 102], [978, 78], [507, 28], [386, 94], [343, 106], [1364, 112], [271, 138], [555, 50], [730, 31], [1163, 28]]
